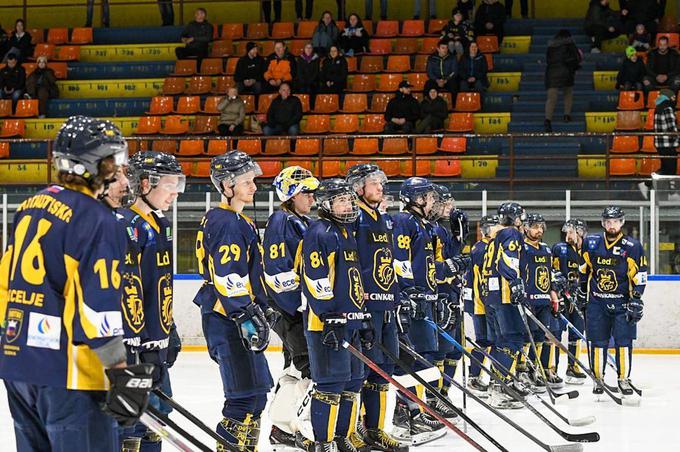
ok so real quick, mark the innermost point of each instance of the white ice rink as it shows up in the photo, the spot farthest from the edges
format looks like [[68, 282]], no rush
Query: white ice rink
[[651, 427]]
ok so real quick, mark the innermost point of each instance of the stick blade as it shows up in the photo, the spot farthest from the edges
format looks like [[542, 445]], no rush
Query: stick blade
[[573, 447], [582, 421]]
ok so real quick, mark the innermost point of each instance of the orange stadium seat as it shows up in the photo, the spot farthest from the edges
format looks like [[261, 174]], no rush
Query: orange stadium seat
[[631, 100], [148, 125], [188, 105], [317, 124], [673, 39], [173, 86], [335, 146], [204, 125], [187, 167], [380, 46], [13, 128], [368, 26], [174, 125], [447, 168], [264, 102], [57, 36], [417, 79], [26, 108], [351, 163], [306, 29], [622, 167], [389, 82], [398, 63], [625, 144], [277, 146], [345, 124], [231, 66], [489, 61], [282, 30], [435, 26], [250, 147], [395, 146], [29, 68], [330, 168], [454, 145], [365, 146], [307, 146], [199, 84], [379, 102], [351, 64], [387, 29], [406, 46], [46, 50], [160, 105], [211, 66], [67, 53], [428, 46], [628, 120], [425, 145], [4, 150], [304, 100], [266, 47], [651, 99], [374, 123], [362, 83], [184, 68], [202, 169], [413, 28], [422, 168], [217, 147], [296, 46], [326, 103], [167, 146], [420, 63], [210, 105], [190, 148], [249, 100], [461, 122], [232, 31], [82, 35], [258, 30], [355, 103], [488, 44], [649, 123], [5, 108], [648, 146], [371, 64], [222, 84], [60, 69], [270, 168], [221, 49], [391, 168], [37, 35], [649, 166], [468, 102]]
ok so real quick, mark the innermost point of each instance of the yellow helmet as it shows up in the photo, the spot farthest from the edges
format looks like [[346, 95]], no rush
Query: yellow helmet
[[293, 180]]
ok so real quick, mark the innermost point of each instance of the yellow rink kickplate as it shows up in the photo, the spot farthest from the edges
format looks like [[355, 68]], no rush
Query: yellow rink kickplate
[[106, 89], [23, 171]]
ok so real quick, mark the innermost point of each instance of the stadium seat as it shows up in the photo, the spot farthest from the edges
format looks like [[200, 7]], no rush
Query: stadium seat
[[277, 146], [5, 108], [232, 31], [317, 124], [249, 100], [335, 146], [173, 86], [148, 125], [649, 122], [625, 144], [221, 49], [223, 83], [387, 29], [351, 64], [201, 169], [250, 147], [326, 103], [270, 168], [631, 100], [389, 82], [187, 167], [428, 46], [82, 35], [67, 53], [345, 124], [425, 145], [371, 64], [174, 125], [167, 146], [258, 30], [413, 28], [13, 128], [4, 150], [231, 66], [649, 166], [355, 103], [372, 124], [304, 100], [447, 168], [362, 83], [628, 120], [398, 63], [26, 108], [395, 146], [379, 102], [29, 68], [368, 26], [365, 146], [622, 167], [264, 102], [199, 84], [330, 168], [37, 35], [305, 29], [266, 47], [391, 168], [489, 61], [420, 63], [455, 145], [57, 36], [188, 105], [488, 44], [417, 79], [435, 26], [217, 147], [204, 125], [190, 148], [469, 102], [60, 69], [422, 168], [351, 163], [648, 145], [282, 30], [651, 99], [673, 39], [44, 49], [380, 46], [461, 122], [160, 105], [307, 146], [211, 66], [296, 46], [406, 46], [184, 68], [306, 164]]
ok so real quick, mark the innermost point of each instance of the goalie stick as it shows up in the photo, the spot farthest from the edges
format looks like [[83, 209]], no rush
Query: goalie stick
[[166, 420]]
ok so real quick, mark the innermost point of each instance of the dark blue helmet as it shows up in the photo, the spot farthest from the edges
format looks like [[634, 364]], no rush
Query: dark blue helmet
[[460, 226], [328, 192], [508, 212], [153, 165], [613, 212], [486, 223], [580, 226], [533, 218], [413, 188], [228, 167]]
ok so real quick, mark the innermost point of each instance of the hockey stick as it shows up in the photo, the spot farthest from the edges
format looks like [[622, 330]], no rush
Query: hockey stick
[[462, 330], [573, 437], [414, 398], [567, 447], [575, 423], [169, 437], [166, 420], [408, 369], [570, 394], [196, 421]]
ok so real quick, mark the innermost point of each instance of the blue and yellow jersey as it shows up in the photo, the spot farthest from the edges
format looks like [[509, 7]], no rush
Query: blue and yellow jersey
[[414, 259], [567, 259], [502, 262], [475, 292], [331, 274], [282, 258], [536, 265], [613, 269], [60, 290], [229, 256], [373, 233]]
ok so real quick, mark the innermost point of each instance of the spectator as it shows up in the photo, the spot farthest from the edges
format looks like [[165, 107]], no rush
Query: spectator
[[42, 84], [341, 7], [369, 9], [19, 43], [662, 67], [433, 113], [432, 9], [12, 80], [458, 33], [307, 71], [284, 114], [473, 70], [232, 113], [634, 12], [196, 37], [466, 7], [601, 24], [562, 59], [325, 35], [524, 8], [250, 70], [105, 13], [167, 13], [4, 41], [267, 11], [333, 72], [354, 38], [632, 72], [666, 145], [489, 19], [641, 39], [442, 70], [309, 7], [280, 67], [402, 111]]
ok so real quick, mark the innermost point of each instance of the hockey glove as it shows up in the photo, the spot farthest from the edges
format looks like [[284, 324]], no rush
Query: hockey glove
[[634, 308], [405, 309], [446, 311], [557, 304], [457, 265], [272, 315], [174, 346], [558, 283], [153, 357], [333, 330], [418, 299], [367, 332], [517, 292], [128, 394], [253, 328], [581, 299]]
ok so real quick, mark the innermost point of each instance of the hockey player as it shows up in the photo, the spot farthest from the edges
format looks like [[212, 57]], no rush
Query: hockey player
[[282, 237], [567, 259], [332, 287], [60, 291], [612, 282], [233, 299], [373, 233]]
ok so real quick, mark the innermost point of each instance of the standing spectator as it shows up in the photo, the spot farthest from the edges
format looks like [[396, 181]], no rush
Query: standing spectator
[[196, 37], [562, 59], [432, 9], [369, 9], [284, 114], [524, 8], [354, 38], [232, 113], [442, 70], [42, 84], [458, 33], [333, 72], [250, 69], [666, 145], [267, 11], [490, 19], [663, 67], [402, 111], [601, 24], [473, 70], [632, 72], [12, 80], [433, 113], [280, 68], [167, 13], [634, 12], [307, 71], [641, 39], [341, 7], [325, 35], [105, 13], [20, 42], [4, 42], [309, 7], [466, 7]]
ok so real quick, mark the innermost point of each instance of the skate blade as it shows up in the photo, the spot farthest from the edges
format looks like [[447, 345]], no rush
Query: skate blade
[[285, 448], [427, 437], [575, 381], [481, 394]]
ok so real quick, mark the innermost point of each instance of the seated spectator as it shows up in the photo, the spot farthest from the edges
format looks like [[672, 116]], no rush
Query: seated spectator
[[325, 35], [442, 70], [466, 8], [634, 12], [402, 111], [433, 112], [42, 85], [601, 24], [632, 72], [196, 37], [232, 113], [307, 71], [663, 67], [12, 80], [333, 72], [19, 43], [473, 70], [284, 114], [458, 33], [280, 67], [489, 19], [250, 69], [641, 39], [354, 38]]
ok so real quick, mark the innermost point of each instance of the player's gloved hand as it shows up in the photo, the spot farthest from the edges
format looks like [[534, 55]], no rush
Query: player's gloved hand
[[272, 315], [333, 330], [557, 304], [128, 394], [367, 332], [517, 292], [581, 299], [446, 312], [404, 314], [253, 328], [457, 265], [634, 308], [558, 282], [417, 299], [153, 357], [174, 346]]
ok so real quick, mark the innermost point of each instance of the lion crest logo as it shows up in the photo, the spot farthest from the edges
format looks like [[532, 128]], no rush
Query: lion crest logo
[[606, 280], [165, 302], [542, 278], [356, 288], [133, 307], [383, 269]]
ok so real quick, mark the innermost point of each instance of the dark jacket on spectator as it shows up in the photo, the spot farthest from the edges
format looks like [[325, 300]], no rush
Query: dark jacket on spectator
[[202, 33], [42, 78], [4, 42], [307, 72], [403, 106], [334, 70], [437, 108], [631, 72], [13, 78], [466, 8], [325, 36], [284, 112], [462, 32], [250, 68], [490, 12], [640, 11], [474, 67], [23, 44], [442, 68], [666, 64], [563, 59], [601, 16], [350, 41]]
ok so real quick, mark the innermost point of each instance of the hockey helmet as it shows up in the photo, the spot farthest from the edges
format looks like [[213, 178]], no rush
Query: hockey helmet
[[577, 224], [414, 188], [508, 212], [293, 180], [153, 165], [613, 213], [443, 202], [357, 175], [534, 218], [230, 167], [486, 223], [329, 192]]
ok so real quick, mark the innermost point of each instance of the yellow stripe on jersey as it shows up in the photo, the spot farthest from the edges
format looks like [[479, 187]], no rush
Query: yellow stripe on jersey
[[4, 282], [148, 218], [314, 323]]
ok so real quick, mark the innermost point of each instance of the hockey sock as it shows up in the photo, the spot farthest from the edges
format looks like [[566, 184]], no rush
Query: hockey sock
[[475, 369], [624, 359], [236, 432], [598, 358], [324, 414], [374, 397], [450, 365], [508, 360], [544, 354], [575, 349], [526, 352], [554, 357], [347, 414], [439, 364]]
